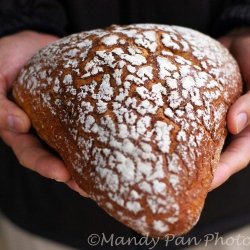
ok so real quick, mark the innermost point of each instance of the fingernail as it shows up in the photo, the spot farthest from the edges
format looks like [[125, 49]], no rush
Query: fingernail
[[241, 122], [58, 180], [15, 123]]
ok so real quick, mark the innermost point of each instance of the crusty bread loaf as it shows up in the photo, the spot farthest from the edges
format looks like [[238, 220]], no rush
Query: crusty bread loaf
[[138, 114]]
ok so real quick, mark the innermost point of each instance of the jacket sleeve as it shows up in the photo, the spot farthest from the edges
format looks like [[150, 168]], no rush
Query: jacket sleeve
[[233, 16], [46, 16]]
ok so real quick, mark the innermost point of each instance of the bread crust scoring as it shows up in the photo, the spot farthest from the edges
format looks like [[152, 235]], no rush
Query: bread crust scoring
[[138, 114]]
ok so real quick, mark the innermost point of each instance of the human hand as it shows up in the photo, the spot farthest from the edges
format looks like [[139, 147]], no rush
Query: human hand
[[15, 51], [236, 155]]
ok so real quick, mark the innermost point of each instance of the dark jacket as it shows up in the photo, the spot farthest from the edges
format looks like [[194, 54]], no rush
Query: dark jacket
[[62, 17], [51, 209]]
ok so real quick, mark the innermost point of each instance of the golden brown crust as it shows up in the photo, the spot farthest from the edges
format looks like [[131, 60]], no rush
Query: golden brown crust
[[138, 113]]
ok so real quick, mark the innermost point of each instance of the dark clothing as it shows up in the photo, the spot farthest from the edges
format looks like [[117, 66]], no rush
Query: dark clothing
[[51, 209], [62, 17]]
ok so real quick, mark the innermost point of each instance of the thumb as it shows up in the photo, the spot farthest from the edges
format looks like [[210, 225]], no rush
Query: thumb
[[238, 116], [12, 117]]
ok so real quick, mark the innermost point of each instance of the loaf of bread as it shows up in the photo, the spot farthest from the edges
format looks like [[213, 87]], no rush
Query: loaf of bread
[[138, 114]]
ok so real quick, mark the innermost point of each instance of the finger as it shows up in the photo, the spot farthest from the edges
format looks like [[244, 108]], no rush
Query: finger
[[238, 116], [241, 51], [31, 154], [72, 184], [226, 41], [235, 157], [12, 117]]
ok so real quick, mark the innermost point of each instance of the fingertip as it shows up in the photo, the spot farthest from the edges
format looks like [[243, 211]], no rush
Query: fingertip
[[238, 117], [241, 122], [220, 176], [23, 121], [13, 118], [16, 124], [55, 169], [232, 119], [73, 185]]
